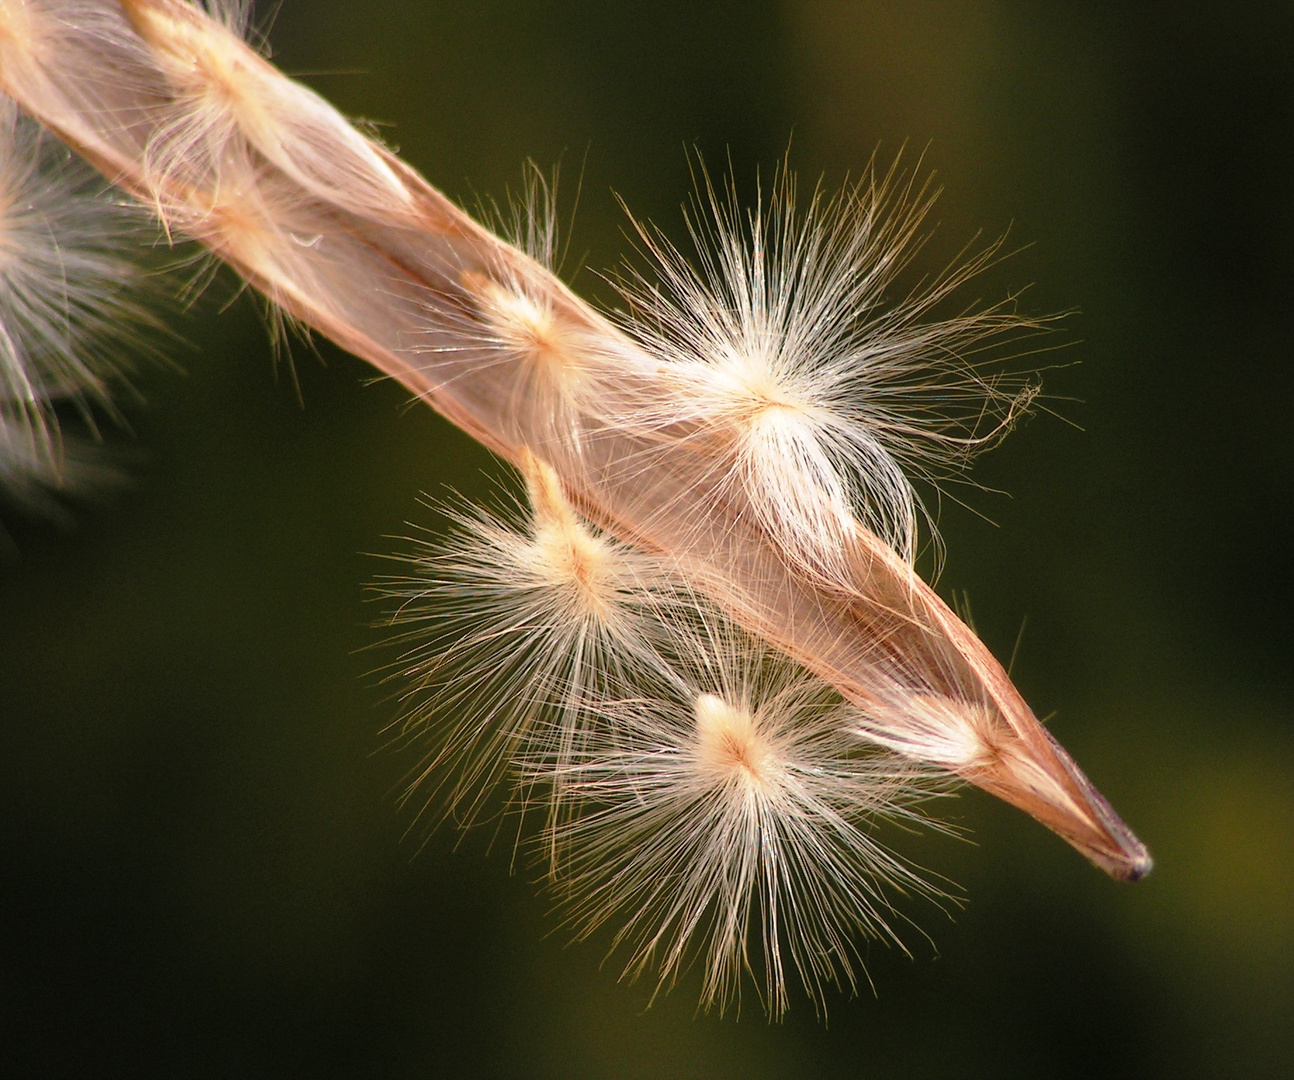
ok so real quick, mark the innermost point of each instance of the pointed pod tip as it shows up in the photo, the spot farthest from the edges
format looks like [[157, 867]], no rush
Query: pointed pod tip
[[1134, 867], [1033, 772], [1142, 868], [1121, 855]]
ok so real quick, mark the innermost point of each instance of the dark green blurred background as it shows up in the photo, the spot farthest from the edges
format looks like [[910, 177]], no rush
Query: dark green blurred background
[[202, 866]]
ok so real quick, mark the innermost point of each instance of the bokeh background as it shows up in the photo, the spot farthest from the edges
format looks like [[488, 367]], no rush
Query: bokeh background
[[203, 870]]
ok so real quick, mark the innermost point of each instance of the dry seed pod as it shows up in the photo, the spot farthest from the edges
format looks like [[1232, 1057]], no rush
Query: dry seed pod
[[396, 278]]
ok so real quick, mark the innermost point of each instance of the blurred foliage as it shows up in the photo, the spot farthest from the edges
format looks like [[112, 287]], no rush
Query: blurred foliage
[[202, 867]]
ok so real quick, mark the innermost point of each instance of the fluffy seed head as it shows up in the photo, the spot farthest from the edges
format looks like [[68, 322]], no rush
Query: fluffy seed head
[[555, 371], [69, 310], [520, 327], [792, 364], [509, 625], [731, 809]]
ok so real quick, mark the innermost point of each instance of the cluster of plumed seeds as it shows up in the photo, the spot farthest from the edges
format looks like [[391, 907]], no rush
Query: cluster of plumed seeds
[[698, 647]]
